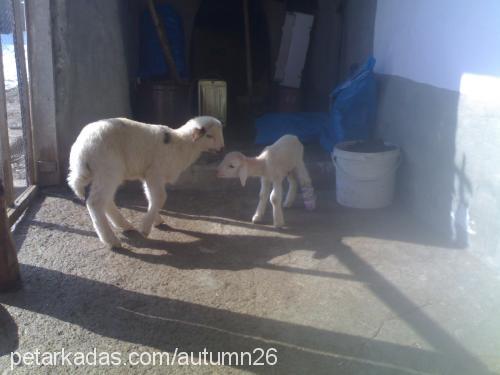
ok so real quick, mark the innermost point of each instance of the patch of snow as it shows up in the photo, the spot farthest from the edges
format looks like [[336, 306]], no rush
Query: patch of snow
[[9, 60]]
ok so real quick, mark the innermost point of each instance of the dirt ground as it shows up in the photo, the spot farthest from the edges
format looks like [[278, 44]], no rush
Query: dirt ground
[[339, 291]]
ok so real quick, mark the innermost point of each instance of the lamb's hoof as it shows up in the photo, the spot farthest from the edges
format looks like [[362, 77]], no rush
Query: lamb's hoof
[[279, 225], [257, 219], [144, 230], [159, 221], [132, 233], [164, 227], [310, 206], [127, 229], [114, 244]]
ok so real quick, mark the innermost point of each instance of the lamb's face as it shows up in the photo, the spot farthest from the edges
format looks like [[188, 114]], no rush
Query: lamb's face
[[230, 166], [208, 132]]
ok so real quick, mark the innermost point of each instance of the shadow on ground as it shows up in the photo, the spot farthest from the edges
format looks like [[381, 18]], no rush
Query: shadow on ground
[[165, 323], [9, 339]]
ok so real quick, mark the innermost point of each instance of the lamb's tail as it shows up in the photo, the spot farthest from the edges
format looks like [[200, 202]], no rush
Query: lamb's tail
[[79, 174], [306, 186]]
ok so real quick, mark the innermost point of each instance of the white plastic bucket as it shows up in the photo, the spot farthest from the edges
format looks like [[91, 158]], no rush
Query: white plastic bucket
[[365, 179]]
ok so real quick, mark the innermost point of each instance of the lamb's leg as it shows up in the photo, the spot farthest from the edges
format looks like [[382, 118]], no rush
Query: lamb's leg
[[156, 194], [306, 186], [101, 193], [158, 220], [292, 191], [117, 219], [265, 188], [276, 201]]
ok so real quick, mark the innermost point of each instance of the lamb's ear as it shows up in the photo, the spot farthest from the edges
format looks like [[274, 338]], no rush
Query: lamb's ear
[[243, 173], [198, 132]]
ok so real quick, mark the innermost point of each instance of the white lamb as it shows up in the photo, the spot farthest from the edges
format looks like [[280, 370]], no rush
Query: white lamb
[[107, 152], [282, 159]]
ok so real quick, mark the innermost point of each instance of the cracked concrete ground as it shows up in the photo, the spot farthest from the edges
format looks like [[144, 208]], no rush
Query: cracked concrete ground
[[339, 291]]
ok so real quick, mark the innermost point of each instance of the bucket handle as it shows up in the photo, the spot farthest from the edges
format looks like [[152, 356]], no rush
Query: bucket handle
[[337, 166]]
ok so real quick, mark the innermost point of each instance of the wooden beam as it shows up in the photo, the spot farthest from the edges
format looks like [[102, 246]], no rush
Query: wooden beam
[[165, 46], [248, 48], [21, 204], [42, 92], [5, 157], [22, 83], [9, 267]]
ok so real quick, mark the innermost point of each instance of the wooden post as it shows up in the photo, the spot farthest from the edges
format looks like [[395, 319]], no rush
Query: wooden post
[[9, 267], [42, 91], [248, 49], [160, 29]]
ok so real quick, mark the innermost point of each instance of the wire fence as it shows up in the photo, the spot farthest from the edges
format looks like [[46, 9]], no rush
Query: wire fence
[[12, 97]]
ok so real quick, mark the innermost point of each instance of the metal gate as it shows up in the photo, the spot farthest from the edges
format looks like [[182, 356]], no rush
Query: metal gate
[[16, 142]]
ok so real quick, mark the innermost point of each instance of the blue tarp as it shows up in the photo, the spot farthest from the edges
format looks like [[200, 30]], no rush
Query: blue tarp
[[351, 117], [354, 104], [151, 60]]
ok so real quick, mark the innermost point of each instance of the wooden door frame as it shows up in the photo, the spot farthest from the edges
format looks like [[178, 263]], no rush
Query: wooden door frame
[[37, 100], [42, 92]]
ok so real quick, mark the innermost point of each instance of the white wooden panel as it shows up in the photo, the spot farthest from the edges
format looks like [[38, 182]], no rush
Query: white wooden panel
[[293, 50]]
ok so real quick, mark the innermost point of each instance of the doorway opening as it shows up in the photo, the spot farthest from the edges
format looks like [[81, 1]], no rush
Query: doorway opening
[[218, 51]]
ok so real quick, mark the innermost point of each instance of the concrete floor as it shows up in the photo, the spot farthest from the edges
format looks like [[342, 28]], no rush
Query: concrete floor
[[340, 291]]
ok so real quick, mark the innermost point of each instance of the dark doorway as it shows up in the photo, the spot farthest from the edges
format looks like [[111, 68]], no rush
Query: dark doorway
[[218, 52]]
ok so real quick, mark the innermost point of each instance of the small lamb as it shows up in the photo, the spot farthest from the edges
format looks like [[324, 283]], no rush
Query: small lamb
[[108, 152], [282, 159]]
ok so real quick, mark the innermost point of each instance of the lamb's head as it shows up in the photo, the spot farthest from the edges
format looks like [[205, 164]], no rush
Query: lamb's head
[[206, 131], [233, 165]]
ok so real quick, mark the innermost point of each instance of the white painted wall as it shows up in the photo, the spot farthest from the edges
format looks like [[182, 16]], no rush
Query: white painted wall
[[438, 41]]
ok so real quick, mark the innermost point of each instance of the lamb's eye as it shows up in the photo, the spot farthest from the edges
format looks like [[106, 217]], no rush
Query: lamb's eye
[[231, 166], [209, 136]]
